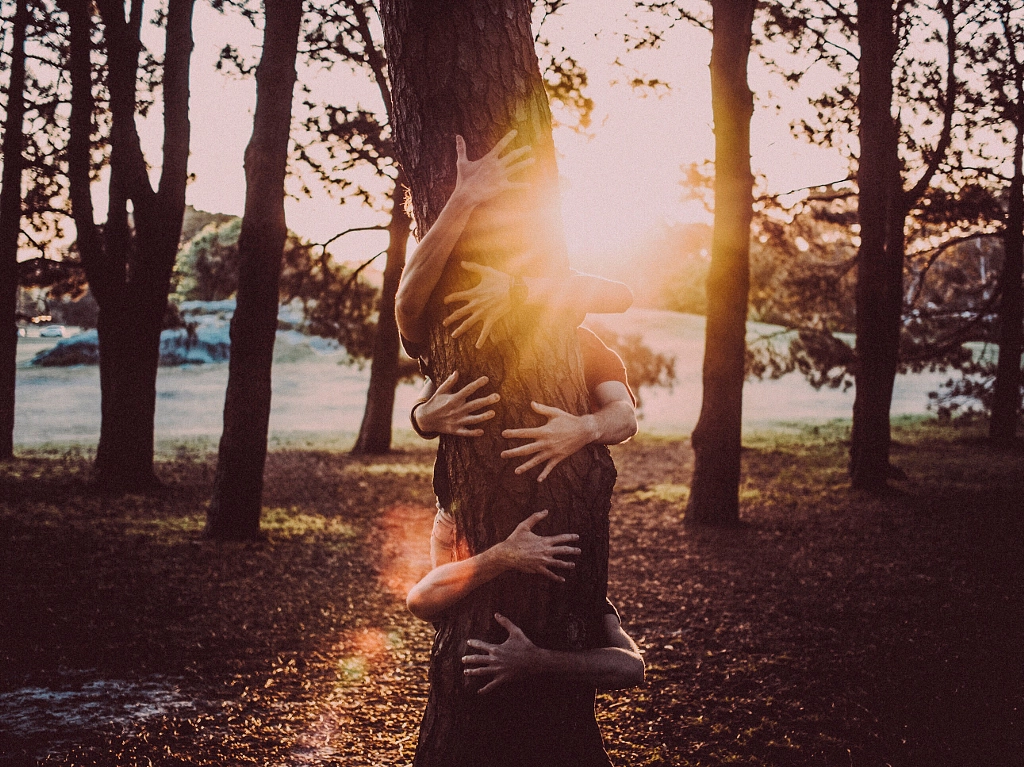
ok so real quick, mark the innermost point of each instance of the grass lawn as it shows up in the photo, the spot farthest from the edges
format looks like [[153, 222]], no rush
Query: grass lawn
[[832, 628]]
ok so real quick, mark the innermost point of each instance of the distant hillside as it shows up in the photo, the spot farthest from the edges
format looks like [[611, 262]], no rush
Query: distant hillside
[[196, 219]]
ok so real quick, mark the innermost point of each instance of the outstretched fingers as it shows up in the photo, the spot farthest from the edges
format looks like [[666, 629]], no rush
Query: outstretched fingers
[[547, 469], [473, 387], [485, 331], [532, 520], [515, 154], [448, 384], [458, 314], [518, 167], [518, 452], [509, 626], [503, 142], [537, 460], [546, 410]]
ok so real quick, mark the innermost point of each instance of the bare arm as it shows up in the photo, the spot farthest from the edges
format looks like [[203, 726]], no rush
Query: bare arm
[[613, 667], [584, 293], [614, 421], [523, 550], [491, 298], [476, 182]]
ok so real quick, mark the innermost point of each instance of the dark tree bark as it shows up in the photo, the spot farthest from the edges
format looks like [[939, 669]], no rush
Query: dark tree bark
[[714, 495], [879, 292], [129, 263], [375, 430], [238, 487], [1006, 397], [10, 226], [883, 206], [471, 69]]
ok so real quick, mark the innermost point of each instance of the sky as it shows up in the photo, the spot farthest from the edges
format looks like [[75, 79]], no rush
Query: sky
[[619, 180]]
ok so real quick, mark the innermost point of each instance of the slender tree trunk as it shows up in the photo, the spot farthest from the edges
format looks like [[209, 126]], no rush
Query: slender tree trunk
[[1007, 395], [238, 487], [375, 430], [879, 294], [129, 265], [714, 496], [10, 226], [471, 69]]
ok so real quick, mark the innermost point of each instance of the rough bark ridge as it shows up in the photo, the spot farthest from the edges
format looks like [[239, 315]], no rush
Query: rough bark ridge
[[238, 487], [879, 294], [129, 263], [714, 495], [1006, 397], [10, 226], [375, 430], [471, 69]]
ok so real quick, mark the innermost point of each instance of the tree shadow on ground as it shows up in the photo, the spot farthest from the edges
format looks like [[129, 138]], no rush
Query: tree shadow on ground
[[832, 628]]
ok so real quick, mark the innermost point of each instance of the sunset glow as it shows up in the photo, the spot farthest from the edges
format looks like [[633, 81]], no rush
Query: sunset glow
[[620, 178]]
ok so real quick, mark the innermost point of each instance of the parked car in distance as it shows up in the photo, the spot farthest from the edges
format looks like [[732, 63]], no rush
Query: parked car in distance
[[53, 331]]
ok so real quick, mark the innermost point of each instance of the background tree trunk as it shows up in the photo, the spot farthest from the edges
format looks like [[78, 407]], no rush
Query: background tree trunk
[[879, 294], [375, 430], [10, 226], [1006, 397], [238, 487], [714, 495], [471, 69], [129, 265]]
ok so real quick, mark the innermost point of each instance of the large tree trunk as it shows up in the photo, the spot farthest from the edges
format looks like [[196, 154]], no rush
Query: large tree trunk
[[129, 265], [1006, 398], [375, 430], [238, 487], [10, 226], [471, 69], [879, 294], [714, 496]]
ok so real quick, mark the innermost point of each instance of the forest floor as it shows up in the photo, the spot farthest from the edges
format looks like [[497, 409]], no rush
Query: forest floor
[[832, 628]]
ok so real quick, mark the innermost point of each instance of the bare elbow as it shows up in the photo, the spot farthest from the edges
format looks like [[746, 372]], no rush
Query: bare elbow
[[632, 426], [402, 314], [631, 672], [418, 604], [634, 672]]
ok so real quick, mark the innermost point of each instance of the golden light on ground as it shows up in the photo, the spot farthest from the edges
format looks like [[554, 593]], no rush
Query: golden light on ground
[[405, 553]]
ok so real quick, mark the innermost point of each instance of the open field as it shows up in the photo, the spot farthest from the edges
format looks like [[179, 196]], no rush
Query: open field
[[833, 628], [314, 394]]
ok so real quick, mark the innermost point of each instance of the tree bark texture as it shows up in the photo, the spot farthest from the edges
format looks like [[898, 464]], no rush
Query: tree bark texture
[[375, 430], [128, 263], [10, 225], [714, 495], [1007, 395], [471, 69], [238, 487], [879, 293]]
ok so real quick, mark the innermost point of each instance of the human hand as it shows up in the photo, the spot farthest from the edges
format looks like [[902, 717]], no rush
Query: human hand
[[453, 412], [553, 442], [477, 181], [486, 302], [528, 552], [514, 657]]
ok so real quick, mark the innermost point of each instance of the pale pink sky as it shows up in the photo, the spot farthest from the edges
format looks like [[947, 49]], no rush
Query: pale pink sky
[[617, 183]]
